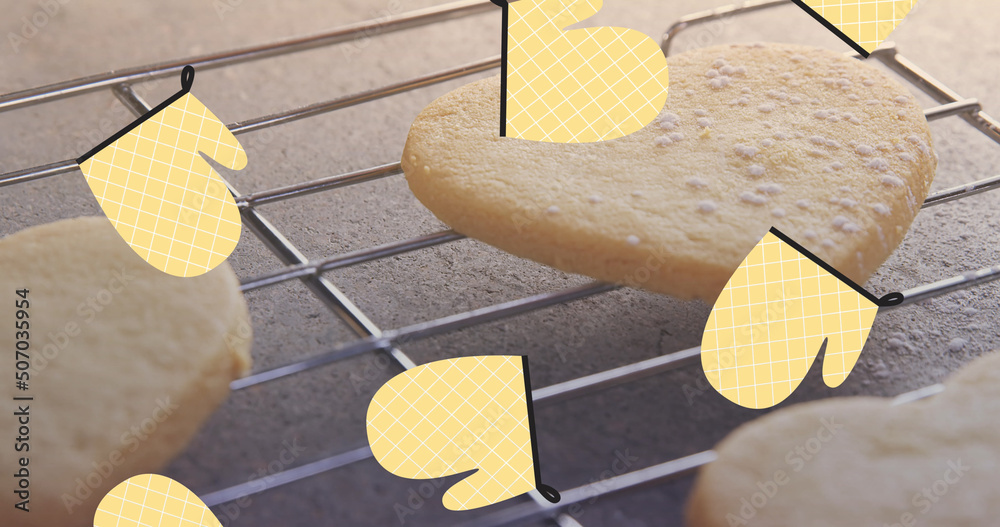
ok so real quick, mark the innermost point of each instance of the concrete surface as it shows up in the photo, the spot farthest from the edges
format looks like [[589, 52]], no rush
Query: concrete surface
[[323, 410]]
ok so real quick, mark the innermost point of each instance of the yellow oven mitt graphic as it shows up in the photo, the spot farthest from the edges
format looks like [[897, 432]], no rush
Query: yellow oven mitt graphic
[[771, 319], [164, 199], [151, 500], [577, 86], [863, 24], [457, 415]]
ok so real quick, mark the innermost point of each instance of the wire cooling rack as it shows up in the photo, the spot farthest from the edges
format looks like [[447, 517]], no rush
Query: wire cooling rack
[[371, 338]]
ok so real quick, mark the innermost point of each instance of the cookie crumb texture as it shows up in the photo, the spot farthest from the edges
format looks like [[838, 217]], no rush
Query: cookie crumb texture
[[822, 146], [127, 363], [852, 461]]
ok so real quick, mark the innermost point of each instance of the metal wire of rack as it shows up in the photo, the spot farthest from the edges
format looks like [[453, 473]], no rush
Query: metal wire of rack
[[371, 338]]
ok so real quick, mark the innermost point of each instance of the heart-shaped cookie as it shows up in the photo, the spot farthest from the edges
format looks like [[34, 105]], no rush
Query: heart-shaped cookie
[[124, 363], [846, 462], [824, 147]]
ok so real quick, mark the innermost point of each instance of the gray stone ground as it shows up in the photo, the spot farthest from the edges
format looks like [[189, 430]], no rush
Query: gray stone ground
[[322, 410]]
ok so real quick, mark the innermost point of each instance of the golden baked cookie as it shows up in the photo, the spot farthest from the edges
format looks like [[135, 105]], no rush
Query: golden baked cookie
[[852, 461], [124, 364], [829, 150]]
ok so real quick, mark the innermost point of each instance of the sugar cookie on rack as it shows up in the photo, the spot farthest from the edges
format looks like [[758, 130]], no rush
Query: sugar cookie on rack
[[852, 461], [126, 363], [826, 148]]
